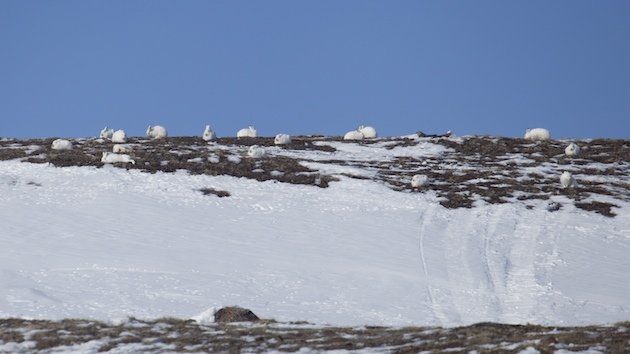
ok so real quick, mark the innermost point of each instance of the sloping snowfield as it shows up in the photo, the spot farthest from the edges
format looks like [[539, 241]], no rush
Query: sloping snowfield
[[105, 243]]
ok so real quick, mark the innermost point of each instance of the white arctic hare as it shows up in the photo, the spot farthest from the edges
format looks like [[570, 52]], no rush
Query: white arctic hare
[[110, 157], [418, 181], [156, 132], [368, 132], [106, 133], [255, 152], [119, 136], [572, 150], [353, 135], [249, 132], [61, 144], [122, 149], [208, 134], [282, 139], [567, 180], [537, 134]]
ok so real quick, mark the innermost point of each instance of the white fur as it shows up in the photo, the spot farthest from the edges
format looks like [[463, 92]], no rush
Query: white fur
[[572, 150], [110, 157], [567, 180], [249, 132], [282, 139], [418, 181], [62, 144], [256, 152], [119, 136], [156, 132], [368, 132], [353, 135], [208, 134], [122, 149], [106, 133], [537, 134]]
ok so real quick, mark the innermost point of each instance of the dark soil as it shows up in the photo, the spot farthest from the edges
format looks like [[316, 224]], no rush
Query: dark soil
[[218, 193], [598, 207], [181, 336]]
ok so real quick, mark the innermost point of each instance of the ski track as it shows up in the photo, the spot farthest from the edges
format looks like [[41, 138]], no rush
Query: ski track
[[491, 266], [438, 314], [521, 288], [501, 267]]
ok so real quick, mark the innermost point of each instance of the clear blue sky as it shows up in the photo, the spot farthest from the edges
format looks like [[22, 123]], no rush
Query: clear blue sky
[[68, 68]]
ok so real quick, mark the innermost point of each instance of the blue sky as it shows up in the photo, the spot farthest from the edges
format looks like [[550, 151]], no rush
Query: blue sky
[[68, 68]]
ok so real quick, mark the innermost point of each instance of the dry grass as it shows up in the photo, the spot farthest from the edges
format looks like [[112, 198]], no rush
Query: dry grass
[[598, 207], [188, 336]]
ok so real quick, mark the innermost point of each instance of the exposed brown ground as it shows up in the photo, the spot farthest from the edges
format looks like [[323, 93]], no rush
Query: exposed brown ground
[[175, 335]]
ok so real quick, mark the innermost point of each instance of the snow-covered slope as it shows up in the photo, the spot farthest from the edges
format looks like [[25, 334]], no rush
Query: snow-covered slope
[[107, 243]]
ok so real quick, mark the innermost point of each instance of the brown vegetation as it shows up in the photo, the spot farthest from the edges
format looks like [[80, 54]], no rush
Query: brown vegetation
[[176, 335]]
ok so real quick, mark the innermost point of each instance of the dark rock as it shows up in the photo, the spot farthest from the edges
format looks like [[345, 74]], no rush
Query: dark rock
[[421, 134], [218, 193], [554, 206], [235, 314]]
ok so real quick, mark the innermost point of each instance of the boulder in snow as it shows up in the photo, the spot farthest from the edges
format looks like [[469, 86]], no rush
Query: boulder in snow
[[235, 314]]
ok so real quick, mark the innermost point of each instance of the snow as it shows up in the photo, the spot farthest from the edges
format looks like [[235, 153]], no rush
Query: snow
[[588, 351], [234, 159], [107, 243], [206, 317], [376, 151]]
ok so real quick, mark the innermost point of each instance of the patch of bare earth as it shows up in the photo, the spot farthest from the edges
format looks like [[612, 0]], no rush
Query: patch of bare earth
[[181, 336], [218, 193], [598, 207]]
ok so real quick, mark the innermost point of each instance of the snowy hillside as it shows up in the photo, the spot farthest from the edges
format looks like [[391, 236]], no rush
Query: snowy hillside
[[320, 230]]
